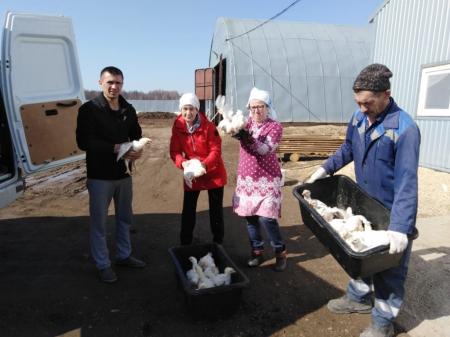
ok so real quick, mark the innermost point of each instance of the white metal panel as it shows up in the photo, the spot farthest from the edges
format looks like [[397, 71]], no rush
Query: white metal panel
[[35, 45], [435, 136], [39, 64], [410, 34]]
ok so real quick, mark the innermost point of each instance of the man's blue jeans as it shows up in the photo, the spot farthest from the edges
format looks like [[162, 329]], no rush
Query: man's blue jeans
[[272, 228], [100, 194], [389, 290]]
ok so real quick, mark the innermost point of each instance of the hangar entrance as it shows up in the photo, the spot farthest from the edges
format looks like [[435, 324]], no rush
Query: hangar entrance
[[210, 83]]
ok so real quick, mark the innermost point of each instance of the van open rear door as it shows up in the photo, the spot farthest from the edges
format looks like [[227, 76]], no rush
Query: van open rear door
[[42, 89]]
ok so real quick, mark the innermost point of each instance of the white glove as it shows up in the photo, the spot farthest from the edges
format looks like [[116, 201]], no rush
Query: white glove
[[397, 242], [320, 173]]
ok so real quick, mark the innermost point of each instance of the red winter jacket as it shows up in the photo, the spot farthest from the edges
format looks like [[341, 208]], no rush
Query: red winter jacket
[[204, 144]]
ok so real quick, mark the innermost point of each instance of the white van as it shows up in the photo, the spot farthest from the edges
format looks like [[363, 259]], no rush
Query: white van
[[40, 93]]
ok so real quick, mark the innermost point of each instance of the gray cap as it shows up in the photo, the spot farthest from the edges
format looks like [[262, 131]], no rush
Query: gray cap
[[374, 77]]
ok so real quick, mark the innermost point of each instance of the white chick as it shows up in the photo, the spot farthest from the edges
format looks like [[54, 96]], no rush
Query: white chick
[[225, 111], [339, 213], [328, 213], [354, 224], [207, 261], [339, 226], [315, 203], [135, 145], [192, 274], [348, 212], [237, 122], [224, 278], [223, 108], [345, 227], [192, 169], [211, 270], [204, 282], [225, 126], [362, 241], [211, 273], [358, 223], [231, 121]]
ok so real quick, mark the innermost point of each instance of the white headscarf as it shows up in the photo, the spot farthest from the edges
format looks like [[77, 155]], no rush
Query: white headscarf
[[189, 99], [262, 95]]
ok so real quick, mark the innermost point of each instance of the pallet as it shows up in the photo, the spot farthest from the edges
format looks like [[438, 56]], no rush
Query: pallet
[[296, 146]]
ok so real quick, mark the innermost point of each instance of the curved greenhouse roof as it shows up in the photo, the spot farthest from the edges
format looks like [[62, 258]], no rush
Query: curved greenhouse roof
[[308, 68]]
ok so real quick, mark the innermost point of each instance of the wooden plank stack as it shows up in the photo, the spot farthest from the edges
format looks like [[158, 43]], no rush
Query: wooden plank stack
[[301, 145]]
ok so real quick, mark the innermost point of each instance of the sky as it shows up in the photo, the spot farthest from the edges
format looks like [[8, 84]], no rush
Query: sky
[[159, 44]]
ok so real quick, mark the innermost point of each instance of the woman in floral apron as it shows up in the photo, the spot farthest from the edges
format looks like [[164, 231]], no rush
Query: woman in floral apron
[[258, 189]]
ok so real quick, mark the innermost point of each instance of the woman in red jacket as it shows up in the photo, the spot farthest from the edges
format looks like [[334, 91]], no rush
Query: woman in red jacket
[[195, 137]]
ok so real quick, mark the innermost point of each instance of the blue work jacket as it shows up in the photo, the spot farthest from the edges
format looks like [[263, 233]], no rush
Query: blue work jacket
[[386, 167]]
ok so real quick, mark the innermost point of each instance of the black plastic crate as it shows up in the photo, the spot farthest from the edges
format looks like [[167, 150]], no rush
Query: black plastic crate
[[214, 302], [340, 191]]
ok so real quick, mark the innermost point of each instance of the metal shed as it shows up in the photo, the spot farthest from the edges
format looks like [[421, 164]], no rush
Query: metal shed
[[308, 68], [413, 39]]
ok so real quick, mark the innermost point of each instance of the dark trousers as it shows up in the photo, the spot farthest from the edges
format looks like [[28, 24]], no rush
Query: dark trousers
[[215, 197]]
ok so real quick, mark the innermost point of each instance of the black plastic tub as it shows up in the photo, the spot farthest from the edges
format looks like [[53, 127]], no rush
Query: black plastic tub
[[342, 192], [211, 303]]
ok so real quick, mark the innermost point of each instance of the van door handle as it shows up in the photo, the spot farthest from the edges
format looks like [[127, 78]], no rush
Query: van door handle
[[66, 105]]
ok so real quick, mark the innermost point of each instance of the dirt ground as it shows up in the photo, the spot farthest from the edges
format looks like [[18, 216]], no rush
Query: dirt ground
[[49, 284]]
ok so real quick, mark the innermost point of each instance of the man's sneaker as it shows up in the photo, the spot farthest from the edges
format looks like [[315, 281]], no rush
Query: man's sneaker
[[378, 331], [255, 259], [280, 261], [344, 305], [107, 275], [131, 262]]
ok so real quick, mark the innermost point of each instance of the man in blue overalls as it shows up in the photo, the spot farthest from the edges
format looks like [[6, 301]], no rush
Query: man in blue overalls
[[383, 142]]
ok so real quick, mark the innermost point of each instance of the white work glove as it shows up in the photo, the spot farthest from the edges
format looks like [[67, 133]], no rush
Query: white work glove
[[397, 242], [320, 173]]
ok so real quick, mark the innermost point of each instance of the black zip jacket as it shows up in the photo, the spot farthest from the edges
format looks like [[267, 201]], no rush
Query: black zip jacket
[[98, 129]]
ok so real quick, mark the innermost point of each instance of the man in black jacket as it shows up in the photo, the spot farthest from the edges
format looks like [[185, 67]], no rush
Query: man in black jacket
[[103, 124]]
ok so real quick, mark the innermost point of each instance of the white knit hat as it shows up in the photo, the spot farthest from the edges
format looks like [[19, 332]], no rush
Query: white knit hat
[[264, 96], [189, 99]]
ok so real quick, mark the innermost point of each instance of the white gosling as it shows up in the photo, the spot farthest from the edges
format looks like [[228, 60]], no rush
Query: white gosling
[[207, 261], [211, 273], [224, 278], [204, 281], [231, 121], [192, 274], [192, 169], [363, 241], [356, 230], [135, 145], [328, 213], [205, 274]]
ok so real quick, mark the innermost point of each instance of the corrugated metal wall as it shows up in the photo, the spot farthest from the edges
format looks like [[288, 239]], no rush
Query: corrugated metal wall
[[435, 146], [308, 68], [408, 35]]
